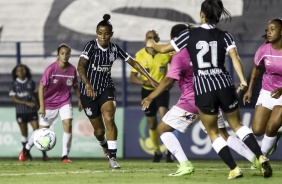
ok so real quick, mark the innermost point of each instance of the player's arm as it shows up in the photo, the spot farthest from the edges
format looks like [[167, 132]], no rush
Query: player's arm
[[161, 48], [77, 93], [134, 78], [82, 73], [236, 61], [41, 110], [142, 70], [164, 85]]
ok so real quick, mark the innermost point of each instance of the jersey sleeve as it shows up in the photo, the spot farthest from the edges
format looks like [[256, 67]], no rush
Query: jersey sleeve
[[12, 91], [46, 76], [88, 50], [122, 54], [181, 41], [259, 56], [229, 41]]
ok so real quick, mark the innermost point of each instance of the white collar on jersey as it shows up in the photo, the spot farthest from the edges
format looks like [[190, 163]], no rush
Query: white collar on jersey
[[103, 49], [21, 81], [207, 26]]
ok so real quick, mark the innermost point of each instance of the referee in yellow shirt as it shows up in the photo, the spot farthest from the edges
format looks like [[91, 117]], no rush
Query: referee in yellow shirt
[[157, 65]]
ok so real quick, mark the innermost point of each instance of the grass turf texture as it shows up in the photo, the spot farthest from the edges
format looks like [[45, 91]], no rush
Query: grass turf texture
[[133, 171]]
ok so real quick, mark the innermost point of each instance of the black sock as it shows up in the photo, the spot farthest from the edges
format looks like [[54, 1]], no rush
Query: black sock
[[227, 158], [112, 153], [253, 145], [44, 154], [105, 146]]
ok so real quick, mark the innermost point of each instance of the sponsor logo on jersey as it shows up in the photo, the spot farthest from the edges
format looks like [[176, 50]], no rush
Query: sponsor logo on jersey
[[102, 68]]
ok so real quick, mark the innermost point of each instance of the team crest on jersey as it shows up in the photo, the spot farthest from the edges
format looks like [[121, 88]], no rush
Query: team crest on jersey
[[111, 56], [114, 49], [69, 82], [55, 81], [88, 111]]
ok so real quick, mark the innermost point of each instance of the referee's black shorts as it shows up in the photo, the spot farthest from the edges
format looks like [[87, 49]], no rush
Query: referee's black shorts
[[161, 101], [225, 98]]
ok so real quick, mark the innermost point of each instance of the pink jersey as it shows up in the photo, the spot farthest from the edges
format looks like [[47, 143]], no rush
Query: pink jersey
[[182, 71], [58, 84], [271, 59]]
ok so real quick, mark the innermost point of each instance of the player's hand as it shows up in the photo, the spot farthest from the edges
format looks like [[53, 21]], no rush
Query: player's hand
[[79, 105], [30, 104], [243, 85], [150, 43], [276, 93], [154, 83], [247, 97], [42, 112], [90, 91], [146, 103]]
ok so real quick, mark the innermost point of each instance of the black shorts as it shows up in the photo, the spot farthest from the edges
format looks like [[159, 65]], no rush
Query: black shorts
[[92, 108], [161, 101], [28, 117], [225, 98]]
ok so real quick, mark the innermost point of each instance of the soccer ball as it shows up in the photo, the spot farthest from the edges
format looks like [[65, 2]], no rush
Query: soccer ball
[[44, 139]]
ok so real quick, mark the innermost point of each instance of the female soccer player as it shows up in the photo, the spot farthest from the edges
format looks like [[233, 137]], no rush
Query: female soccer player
[[213, 85], [24, 93], [55, 99], [97, 88], [268, 111]]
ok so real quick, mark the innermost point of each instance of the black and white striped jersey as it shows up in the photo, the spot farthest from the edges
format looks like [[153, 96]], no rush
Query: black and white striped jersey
[[24, 90], [207, 47], [100, 61]]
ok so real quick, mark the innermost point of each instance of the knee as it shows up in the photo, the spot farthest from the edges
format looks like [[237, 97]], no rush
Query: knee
[[257, 131]]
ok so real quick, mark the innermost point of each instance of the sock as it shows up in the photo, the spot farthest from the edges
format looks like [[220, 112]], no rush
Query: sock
[[24, 140], [221, 148], [246, 135], [173, 145], [237, 145], [267, 143], [66, 144], [103, 143], [30, 143], [112, 148], [155, 140], [44, 154]]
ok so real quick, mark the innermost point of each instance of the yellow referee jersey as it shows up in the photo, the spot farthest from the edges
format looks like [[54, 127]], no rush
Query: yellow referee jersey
[[157, 66]]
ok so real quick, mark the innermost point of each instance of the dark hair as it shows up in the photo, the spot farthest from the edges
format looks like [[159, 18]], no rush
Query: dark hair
[[214, 10], [177, 29], [106, 22], [278, 20], [27, 71], [61, 46]]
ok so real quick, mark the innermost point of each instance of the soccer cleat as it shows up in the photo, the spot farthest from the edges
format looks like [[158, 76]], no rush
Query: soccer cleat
[[105, 151], [157, 157], [22, 157], [46, 158], [169, 157], [184, 169], [113, 163], [273, 149], [235, 173], [65, 159], [28, 155], [256, 164], [266, 169]]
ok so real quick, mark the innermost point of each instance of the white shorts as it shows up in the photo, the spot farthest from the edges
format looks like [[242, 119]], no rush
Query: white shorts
[[179, 119], [267, 101], [220, 122], [52, 115]]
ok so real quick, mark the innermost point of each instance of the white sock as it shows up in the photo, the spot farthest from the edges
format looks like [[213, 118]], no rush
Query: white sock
[[267, 143], [173, 145], [24, 139], [218, 144], [30, 142], [112, 144], [66, 143], [239, 146]]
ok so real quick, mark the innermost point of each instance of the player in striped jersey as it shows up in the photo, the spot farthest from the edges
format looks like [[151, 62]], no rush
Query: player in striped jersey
[[24, 93], [268, 111], [213, 85], [97, 88]]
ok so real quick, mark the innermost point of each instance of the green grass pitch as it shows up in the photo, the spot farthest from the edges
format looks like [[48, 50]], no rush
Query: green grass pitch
[[90, 171]]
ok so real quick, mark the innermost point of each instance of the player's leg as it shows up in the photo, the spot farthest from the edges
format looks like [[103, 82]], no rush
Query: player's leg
[[66, 114], [176, 119]]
